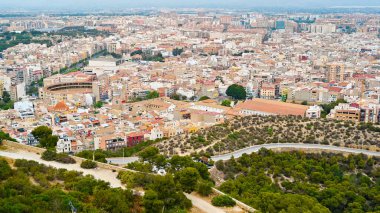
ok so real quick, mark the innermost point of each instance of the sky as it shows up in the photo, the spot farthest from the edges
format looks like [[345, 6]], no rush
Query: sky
[[120, 4]]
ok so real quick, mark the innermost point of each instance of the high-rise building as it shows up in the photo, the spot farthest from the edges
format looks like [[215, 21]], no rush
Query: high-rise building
[[335, 72]]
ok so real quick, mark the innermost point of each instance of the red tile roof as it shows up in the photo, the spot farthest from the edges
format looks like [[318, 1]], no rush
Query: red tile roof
[[273, 107], [61, 106]]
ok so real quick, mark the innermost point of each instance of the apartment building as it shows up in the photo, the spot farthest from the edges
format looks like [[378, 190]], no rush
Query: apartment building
[[345, 112], [335, 72]]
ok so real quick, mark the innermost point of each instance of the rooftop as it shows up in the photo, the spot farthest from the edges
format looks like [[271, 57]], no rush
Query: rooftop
[[273, 107]]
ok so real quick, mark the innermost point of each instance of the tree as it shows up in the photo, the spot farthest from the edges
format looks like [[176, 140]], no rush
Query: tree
[[219, 165], [276, 202], [204, 188], [5, 136], [98, 104], [99, 155], [237, 92], [152, 94], [5, 170], [148, 153], [64, 158], [169, 193], [304, 103], [203, 98], [41, 132], [226, 103], [19, 194], [223, 200], [151, 202], [113, 200], [49, 141], [159, 161], [88, 164], [128, 178], [328, 107], [188, 178], [6, 97], [44, 135], [49, 155], [138, 166]]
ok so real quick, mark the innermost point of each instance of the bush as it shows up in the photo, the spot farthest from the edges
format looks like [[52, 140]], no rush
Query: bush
[[204, 188], [5, 170], [219, 165], [64, 158], [49, 155], [88, 164], [223, 200]]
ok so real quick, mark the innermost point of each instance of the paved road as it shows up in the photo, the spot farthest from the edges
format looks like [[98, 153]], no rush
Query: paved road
[[203, 205], [100, 174], [256, 148]]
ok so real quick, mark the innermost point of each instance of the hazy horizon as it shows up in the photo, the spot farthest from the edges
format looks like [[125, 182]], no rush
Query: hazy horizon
[[120, 4]]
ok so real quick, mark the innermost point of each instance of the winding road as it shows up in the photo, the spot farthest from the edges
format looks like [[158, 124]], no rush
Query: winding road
[[256, 148]]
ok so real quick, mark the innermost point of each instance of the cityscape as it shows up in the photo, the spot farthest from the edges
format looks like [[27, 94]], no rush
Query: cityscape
[[205, 106]]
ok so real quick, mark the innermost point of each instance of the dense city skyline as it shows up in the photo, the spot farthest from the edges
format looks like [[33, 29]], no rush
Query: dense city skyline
[[112, 4]]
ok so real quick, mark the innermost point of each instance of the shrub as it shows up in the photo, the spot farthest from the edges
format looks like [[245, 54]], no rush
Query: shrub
[[219, 165], [5, 170], [64, 158], [49, 155], [204, 188], [88, 164], [223, 200]]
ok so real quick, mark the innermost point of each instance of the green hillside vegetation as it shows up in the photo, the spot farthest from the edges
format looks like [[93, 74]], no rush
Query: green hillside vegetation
[[246, 131], [166, 192], [299, 182], [161, 192], [5, 136], [33, 187]]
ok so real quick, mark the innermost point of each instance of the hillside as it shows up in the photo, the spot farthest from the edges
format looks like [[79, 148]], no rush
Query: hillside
[[251, 130], [299, 182], [33, 187]]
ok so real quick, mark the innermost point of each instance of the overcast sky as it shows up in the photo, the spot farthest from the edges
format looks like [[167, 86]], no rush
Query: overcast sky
[[120, 4]]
